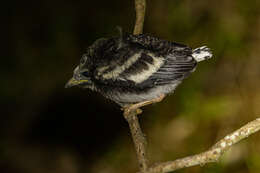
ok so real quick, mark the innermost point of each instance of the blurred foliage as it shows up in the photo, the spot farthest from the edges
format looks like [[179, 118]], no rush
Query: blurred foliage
[[45, 128]]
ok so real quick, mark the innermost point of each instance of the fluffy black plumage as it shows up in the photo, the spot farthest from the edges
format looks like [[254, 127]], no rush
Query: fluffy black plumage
[[136, 68]]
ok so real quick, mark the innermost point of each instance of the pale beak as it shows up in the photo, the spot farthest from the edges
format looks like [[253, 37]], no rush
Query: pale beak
[[73, 82]]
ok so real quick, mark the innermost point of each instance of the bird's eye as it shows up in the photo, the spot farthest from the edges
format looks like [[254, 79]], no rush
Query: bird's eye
[[85, 73]]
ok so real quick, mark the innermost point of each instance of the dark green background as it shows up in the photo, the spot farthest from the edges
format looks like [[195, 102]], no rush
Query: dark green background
[[45, 128]]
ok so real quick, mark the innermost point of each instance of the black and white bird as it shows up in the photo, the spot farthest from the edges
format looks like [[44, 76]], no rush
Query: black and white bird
[[130, 69]]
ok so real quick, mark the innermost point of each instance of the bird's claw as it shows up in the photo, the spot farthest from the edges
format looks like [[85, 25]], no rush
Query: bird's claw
[[136, 107]]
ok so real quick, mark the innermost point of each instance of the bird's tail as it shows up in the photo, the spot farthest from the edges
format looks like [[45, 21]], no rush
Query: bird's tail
[[201, 53]]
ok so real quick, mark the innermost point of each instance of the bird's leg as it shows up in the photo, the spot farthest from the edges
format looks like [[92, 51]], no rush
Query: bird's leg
[[136, 106]]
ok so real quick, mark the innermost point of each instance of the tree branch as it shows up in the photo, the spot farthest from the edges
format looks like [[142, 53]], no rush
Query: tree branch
[[140, 6], [138, 137], [211, 155]]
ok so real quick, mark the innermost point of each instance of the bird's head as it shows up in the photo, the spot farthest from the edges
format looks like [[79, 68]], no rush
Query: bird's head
[[84, 71], [82, 74], [88, 62]]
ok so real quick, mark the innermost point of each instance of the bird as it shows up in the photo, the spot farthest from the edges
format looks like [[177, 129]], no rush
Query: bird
[[136, 70]]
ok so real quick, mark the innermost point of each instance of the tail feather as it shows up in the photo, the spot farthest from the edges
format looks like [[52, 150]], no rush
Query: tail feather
[[201, 53]]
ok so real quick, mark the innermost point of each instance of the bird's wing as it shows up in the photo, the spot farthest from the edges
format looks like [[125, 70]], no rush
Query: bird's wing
[[177, 58], [175, 68], [128, 66], [144, 65]]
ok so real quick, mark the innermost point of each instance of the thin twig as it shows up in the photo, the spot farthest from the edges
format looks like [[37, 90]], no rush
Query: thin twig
[[212, 155], [138, 138], [140, 6]]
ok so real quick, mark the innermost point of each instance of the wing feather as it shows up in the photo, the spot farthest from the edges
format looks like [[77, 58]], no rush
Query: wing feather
[[144, 62], [174, 69]]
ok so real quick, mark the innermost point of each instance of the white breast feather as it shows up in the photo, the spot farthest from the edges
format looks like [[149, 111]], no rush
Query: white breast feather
[[151, 94]]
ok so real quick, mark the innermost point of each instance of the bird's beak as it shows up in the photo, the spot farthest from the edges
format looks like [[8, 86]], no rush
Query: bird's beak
[[73, 82]]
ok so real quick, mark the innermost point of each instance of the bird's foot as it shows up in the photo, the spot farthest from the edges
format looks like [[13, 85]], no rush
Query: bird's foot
[[136, 107]]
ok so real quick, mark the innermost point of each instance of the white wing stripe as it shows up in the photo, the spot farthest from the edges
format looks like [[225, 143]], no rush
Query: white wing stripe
[[119, 69], [152, 68], [201, 53]]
